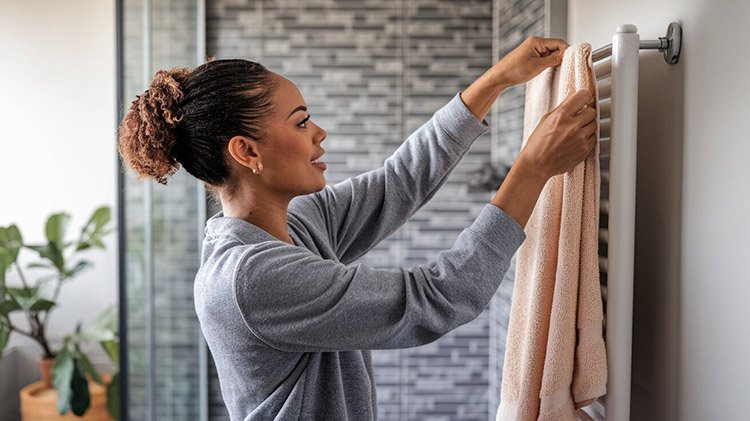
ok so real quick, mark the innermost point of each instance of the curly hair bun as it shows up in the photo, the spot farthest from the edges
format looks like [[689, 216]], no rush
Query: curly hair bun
[[147, 136]]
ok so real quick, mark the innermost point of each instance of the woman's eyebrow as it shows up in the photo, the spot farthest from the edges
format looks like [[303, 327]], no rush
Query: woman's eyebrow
[[301, 107]]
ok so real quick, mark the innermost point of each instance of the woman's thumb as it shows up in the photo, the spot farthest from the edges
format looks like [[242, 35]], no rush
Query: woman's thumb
[[554, 58]]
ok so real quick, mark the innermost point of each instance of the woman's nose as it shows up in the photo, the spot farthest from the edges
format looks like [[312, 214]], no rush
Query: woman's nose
[[323, 135]]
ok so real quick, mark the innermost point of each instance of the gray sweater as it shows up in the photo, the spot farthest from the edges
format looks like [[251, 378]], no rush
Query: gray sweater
[[290, 326]]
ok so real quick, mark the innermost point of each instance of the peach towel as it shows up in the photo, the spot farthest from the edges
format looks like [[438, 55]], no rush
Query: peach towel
[[555, 359]]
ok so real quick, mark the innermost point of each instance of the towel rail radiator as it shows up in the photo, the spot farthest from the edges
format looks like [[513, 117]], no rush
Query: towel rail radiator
[[616, 69]]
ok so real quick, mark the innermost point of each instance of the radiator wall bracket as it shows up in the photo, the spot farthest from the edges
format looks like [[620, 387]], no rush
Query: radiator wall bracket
[[670, 45]]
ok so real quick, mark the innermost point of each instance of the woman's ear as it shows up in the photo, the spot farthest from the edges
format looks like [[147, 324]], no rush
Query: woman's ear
[[245, 151]]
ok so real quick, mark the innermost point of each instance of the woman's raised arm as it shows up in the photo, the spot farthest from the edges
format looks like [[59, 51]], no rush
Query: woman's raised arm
[[359, 212], [294, 300]]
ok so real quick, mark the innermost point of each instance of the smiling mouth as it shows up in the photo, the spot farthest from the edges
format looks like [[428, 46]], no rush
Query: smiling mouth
[[319, 164]]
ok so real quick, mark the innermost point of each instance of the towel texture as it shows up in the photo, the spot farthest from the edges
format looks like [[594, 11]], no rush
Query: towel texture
[[555, 359]]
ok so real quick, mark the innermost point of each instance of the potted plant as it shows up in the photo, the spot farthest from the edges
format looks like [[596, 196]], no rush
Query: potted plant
[[67, 368]]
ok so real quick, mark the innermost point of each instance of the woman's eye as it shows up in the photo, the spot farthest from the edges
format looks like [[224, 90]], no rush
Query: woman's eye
[[303, 121]]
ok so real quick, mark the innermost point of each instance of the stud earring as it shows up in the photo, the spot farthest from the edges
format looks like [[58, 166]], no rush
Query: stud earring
[[259, 168]]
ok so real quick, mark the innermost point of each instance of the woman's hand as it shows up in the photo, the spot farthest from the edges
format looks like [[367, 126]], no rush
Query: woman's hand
[[528, 60], [564, 137]]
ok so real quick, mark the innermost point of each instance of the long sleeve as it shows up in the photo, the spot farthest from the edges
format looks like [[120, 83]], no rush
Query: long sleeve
[[359, 212], [294, 300]]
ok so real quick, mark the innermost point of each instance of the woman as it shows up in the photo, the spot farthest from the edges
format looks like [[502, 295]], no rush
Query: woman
[[289, 324]]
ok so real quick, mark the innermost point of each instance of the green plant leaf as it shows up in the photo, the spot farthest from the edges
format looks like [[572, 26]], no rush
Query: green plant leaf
[[62, 374], [112, 350], [113, 397], [4, 335], [23, 292], [42, 305], [39, 248], [104, 329], [11, 240], [99, 334], [87, 366], [52, 252], [101, 216], [7, 306], [79, 266], [80, 398], [27, 300], [76, 337], [5, 262], [105, 321], [25, 297], [46, 278], [94, 229], [82, 246], [55, 228], [10, 243], [41, 265]]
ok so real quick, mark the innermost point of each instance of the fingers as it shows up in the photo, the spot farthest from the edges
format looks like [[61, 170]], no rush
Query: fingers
[[590, 133], [553, 59], [589, 129], [592, 141], [546, 46], [585, 117], [550, 50], [575, 101]]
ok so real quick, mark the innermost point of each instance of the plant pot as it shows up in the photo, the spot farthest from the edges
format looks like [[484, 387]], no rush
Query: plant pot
[[39, 403], [45, 370]]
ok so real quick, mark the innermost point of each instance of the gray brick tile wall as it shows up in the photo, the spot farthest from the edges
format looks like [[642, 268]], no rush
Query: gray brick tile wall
[[371, 71]]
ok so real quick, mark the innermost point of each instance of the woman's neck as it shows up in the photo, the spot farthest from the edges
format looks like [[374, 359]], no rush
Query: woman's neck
[[260, 210]]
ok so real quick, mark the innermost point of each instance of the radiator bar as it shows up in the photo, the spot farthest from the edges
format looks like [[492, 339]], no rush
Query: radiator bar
[[669, 45]]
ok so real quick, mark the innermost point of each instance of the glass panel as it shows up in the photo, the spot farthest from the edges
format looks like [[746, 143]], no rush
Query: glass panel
[[162, 329], [133, 208]]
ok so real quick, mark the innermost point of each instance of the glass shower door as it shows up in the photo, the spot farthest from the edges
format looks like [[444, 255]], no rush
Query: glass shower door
[[163, 352]]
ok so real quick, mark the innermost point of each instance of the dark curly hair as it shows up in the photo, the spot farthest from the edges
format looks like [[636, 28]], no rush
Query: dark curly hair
[[188, 116]]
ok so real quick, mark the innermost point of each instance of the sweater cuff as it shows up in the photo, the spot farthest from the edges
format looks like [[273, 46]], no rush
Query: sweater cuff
[[460, 124], [499, 229]]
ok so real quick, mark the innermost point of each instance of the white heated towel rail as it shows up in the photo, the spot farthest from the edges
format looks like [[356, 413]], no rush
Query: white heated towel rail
[[616, 69]]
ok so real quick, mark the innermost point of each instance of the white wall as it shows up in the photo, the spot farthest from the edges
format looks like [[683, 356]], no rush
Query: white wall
[[691, 312], [57, 134]]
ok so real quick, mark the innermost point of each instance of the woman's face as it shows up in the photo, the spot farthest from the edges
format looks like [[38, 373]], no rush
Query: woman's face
[[291, 145]]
